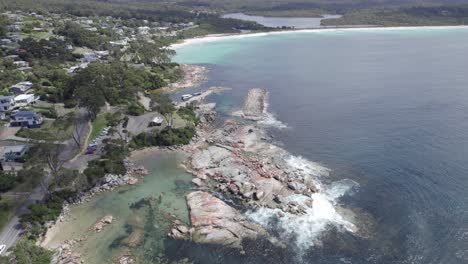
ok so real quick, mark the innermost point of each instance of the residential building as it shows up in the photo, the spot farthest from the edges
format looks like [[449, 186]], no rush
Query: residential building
[[23, 100], [13, 153], [89, 57], [28, 119], [21, 88], [7, 103], [21, 63]]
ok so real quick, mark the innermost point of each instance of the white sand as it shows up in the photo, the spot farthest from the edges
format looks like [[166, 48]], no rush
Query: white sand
[[219, 37]]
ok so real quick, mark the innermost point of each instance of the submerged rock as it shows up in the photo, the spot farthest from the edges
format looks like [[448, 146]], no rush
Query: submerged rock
[[106, 220]]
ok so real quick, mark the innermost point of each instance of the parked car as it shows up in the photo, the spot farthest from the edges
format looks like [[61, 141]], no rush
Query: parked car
[[90, 151], [2, 248]]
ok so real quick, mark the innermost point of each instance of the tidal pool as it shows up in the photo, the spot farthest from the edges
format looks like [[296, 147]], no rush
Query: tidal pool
[[142, 214]]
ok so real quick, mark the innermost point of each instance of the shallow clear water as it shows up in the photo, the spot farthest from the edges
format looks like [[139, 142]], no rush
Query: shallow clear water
[[387, 109], [296, 22], [145, 224]]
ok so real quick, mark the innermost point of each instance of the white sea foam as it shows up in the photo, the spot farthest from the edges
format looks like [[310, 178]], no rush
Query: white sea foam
[[320, 209], [269, 120], [220, 37]]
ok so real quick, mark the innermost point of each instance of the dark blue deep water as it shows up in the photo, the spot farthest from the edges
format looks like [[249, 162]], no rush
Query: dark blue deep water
[[387, 109]]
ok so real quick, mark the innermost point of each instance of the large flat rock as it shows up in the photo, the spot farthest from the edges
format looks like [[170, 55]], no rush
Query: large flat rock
[[215, 222]]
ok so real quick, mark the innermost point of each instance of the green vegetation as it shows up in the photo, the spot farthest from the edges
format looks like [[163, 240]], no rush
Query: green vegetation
[[7, 209], [26, 252], [165, 137], [98, 124], [7, 181], [404, 16], [162, 103], [58, 129], [188, 113], [112, 161], [136, 109], [40, 213], [10, 184], [115, 83], [82, 37], [3, 23]]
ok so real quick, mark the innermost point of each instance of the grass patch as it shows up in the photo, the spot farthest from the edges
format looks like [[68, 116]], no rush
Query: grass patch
[[37, 35], [97, 126], [50, 130]]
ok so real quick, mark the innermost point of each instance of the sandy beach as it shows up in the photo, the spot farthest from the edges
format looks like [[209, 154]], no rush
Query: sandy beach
[[221, 37]]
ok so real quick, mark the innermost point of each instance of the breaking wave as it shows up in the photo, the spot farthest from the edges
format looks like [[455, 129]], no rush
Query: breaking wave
[[320, 209], [269, 120]]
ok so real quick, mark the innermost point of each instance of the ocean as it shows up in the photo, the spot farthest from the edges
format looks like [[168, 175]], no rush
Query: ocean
[[386, 110]]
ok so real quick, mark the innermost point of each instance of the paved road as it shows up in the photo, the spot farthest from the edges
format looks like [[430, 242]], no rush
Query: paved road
[[11, 232]]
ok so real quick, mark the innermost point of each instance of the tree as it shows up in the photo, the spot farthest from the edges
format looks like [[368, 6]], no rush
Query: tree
[[7, 181], [163, 104], [26, 252]]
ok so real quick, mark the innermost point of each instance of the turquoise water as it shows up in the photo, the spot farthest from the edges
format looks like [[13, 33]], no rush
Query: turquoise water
[[141, 213], [387, 109]]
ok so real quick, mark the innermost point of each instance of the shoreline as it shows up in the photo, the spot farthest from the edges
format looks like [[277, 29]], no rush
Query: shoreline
[[220, 37]]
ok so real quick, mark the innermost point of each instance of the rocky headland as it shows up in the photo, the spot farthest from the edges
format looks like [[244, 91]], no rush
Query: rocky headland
[[240, 163]]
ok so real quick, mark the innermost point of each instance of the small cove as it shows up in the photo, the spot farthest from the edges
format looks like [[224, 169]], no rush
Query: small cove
[[136, 226]]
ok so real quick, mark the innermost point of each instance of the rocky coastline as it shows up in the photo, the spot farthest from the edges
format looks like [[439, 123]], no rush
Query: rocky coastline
[[192, 75], [236, 168], [113, 181], [240, 162]]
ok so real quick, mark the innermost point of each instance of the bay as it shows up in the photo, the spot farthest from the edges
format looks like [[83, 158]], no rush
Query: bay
[[386, 108]]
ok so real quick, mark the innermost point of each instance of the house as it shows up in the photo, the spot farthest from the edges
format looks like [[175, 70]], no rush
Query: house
[[102, 54], [89, 57], [75, 69], [5, 41], [25, 69], [12, 57], [21, 88], [143, 30], [14, 28], [7, 103], [28, 119], [21, 63], [16, 37], [122, 42], [13, 153], [39, 29], [157, 121], [23, 100]]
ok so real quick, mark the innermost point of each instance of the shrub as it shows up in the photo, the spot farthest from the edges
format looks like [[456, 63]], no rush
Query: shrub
[[188, 114], [7, 181], [136, 109], [165, 137]]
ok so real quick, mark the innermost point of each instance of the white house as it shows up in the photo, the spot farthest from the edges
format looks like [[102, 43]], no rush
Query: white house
[[23, 100], [28, 119], [21, 88], [7, 103], [143, 30], [21, 63]]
